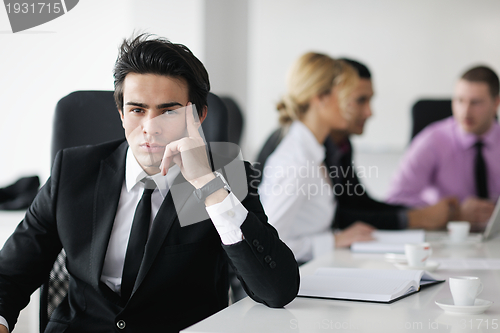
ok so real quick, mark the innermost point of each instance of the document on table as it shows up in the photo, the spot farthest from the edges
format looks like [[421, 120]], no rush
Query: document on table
[[468, 263], [389, 241], [369, 285]]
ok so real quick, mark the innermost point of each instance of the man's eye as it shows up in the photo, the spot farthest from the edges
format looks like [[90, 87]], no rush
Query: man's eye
[[136, 110], [169, 112]]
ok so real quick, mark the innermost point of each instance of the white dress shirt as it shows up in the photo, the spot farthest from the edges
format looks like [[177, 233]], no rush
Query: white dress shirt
[[297, 194], [227, 225]]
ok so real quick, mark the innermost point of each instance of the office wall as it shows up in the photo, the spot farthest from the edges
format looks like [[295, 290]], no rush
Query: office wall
[[39, 66], [180, 21], [73, 52], [226, 47], [413, 48]]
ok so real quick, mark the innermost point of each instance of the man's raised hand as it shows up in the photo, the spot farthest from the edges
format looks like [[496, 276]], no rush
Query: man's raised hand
[[189, 153]]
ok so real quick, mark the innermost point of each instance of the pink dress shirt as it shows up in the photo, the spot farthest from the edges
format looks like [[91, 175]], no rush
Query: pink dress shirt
[[440, 163]]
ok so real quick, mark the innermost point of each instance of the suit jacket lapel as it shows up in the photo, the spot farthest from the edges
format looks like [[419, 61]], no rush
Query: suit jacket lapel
[[106, 198], [162, 224]]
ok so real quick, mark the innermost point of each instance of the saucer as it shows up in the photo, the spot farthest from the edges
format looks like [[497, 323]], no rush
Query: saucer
[[480, 305], [430, 266]]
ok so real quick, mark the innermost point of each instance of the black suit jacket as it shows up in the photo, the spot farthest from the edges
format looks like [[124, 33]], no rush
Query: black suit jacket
[[354, 203], [183, 277]]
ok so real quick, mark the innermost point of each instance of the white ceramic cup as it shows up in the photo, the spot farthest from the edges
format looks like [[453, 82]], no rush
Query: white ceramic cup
[[458, 231], [465, 289], [417, 253]]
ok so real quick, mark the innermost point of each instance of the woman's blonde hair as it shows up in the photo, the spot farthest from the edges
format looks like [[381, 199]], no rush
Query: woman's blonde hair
[[311, 75]]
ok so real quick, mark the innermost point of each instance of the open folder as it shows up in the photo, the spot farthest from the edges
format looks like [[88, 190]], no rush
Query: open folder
[[369, 285]]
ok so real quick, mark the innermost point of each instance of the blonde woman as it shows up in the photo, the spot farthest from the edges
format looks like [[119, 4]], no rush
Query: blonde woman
[[296, 191]]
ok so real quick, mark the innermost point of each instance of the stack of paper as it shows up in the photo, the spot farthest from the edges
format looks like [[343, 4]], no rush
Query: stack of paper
[[389, 241]]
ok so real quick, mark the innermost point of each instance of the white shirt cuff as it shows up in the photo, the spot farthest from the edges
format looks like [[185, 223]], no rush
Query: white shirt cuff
[[227, 217], [4, 322]]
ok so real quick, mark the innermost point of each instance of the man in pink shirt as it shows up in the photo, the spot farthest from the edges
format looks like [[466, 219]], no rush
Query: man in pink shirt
[[458, 156]]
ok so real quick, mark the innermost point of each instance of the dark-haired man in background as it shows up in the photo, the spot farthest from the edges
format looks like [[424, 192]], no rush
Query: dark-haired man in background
[[357, 205], [134, 265], [458, 156]]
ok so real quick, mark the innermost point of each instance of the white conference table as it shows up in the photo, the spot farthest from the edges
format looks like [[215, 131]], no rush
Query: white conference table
[[415, 313]]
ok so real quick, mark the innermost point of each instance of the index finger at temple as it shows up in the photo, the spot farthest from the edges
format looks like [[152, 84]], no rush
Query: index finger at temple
[[192, 123]]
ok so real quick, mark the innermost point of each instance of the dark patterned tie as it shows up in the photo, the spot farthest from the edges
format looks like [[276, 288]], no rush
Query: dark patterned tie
[[480, 171], [137, 240]]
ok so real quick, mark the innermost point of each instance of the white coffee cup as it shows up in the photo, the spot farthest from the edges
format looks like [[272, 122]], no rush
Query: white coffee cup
[[417, 254], [465, 289], [458, 231]]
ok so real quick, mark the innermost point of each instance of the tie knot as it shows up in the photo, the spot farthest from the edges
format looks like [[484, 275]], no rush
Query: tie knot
[[149, 184], [479, 144]]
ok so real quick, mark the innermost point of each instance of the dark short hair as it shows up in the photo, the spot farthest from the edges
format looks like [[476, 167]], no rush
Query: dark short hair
[[486, 75], [147, 55], [361, 69]]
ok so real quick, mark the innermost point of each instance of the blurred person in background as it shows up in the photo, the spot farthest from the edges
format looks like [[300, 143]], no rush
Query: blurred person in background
[[458, 156], [356, 204], [296, 190]]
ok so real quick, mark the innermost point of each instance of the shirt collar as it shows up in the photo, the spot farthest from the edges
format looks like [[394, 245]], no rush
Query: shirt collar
[[468, 140], [134, 173]]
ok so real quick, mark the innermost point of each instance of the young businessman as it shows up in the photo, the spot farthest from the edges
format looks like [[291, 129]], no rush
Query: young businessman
[[360, 206], [458, 156], [178, 275]]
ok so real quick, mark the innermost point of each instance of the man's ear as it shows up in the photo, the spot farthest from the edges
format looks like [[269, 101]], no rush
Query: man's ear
[[203, 114]]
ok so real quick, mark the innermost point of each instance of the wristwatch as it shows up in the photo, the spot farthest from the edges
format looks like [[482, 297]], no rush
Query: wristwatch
[[212, 186]]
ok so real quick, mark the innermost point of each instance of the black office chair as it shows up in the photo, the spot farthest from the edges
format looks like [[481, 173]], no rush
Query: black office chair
[[216, 124], [235, 119], [91, 117], [268, 148], [85, 118], [427, 111]]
